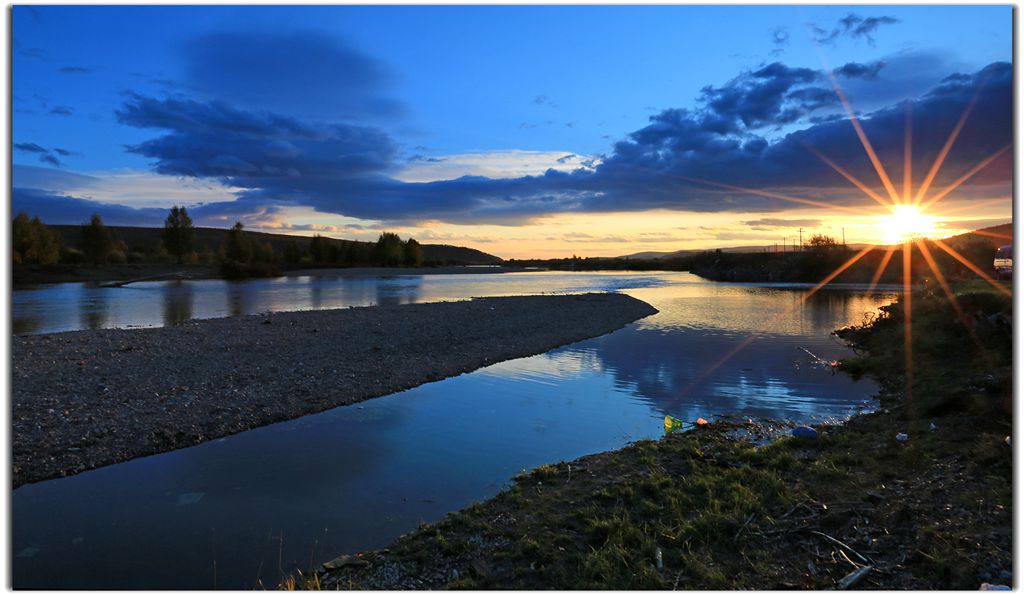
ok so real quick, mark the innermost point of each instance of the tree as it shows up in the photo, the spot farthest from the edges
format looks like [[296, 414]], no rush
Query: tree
[[822, 243], [413, 253], [179, 235], [238, 247], [389, 251], [96, 241], [292, 252], [318, 249], [33, 242]]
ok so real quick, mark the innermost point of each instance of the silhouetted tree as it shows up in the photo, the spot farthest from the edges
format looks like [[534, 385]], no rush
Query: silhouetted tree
[[292, 252], [97, 243], [33, 242], [413, 253], [238, 247], [319, 249], [389, 251], [822, 243], [179, 235]]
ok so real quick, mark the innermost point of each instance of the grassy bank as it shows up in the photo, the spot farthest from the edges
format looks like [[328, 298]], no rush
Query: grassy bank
[[707, 509]]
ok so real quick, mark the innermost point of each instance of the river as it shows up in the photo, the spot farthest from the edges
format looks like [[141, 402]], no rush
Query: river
[[239, 511]]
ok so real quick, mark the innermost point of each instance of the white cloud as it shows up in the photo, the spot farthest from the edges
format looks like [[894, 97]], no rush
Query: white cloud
[[133, 188], [513, 163]]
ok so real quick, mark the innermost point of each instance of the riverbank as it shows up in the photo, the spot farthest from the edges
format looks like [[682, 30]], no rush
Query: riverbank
[[917, 495], [85, 399], [29, 275]]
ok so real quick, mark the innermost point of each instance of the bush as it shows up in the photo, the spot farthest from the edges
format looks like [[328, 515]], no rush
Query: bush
[[234, 270]]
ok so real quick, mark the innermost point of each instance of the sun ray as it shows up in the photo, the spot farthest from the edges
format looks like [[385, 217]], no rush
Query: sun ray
[[1001, 236], [922, 246], [879, 168], [908, 342], [908, 149], [944, 152], [864, 187], [881, 268], [959, 181], [805, 201], [973, 267], [974, 206]]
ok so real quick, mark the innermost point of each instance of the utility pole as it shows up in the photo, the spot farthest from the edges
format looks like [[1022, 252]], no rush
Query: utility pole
[[844, 237], [783, 245], [801, 239]]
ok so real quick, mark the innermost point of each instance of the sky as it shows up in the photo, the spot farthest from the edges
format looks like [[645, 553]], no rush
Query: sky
[[523, 131]]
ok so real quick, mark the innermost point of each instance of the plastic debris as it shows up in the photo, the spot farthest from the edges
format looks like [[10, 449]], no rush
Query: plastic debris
[[902, 437], [672, 424], [805, 432], [658, 560], [933, 427], [701, 421], [1007, 441]]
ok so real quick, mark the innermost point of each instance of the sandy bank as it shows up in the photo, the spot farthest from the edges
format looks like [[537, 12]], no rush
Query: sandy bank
[[85, 399]]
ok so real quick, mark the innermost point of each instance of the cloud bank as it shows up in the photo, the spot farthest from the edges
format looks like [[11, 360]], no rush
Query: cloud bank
[[234, 131]]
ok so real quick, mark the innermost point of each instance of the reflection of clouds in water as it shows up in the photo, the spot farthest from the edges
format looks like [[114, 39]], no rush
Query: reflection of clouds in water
[[549, 368], [769, 378]]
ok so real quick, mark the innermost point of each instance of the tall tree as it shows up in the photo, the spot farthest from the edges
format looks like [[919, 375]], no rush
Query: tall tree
[[413, 253], [238, 247], [389, 251], [96, 241], [179, 235], [33, 242]]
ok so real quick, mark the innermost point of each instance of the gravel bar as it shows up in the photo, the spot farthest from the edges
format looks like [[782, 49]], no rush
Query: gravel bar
[[86, 399]]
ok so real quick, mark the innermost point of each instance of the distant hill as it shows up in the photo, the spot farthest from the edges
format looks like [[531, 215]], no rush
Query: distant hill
[[996, 236], [148, 238], [731, 250]]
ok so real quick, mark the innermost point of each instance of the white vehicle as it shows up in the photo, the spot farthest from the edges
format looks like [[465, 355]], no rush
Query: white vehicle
[[1003, 263]]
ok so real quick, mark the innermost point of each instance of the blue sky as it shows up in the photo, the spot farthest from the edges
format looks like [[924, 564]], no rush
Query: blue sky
[[368, 116]]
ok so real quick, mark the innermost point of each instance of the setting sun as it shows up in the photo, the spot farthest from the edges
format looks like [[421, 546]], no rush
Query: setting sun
[[905, 223]]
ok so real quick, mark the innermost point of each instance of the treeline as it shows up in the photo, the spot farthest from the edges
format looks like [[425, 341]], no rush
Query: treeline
[[239, 254], [821, 255]]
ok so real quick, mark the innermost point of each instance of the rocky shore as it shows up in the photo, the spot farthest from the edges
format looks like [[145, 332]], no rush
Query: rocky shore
[[85, 399]]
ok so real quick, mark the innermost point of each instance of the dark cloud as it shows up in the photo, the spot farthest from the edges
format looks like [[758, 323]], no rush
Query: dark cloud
[[544, 100], [281, 162], [56, 208], [780, 39], [48, 158], [307, 73], [853, 26], [61, 110], [254, 150], [75, 70], [856, 70], [62, 152], [772, 95], [30, 148]]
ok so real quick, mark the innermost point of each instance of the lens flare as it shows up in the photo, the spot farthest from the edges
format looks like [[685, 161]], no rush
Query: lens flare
[[906, 222]]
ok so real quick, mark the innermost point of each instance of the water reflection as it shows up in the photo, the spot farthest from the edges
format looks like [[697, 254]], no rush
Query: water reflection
[[238, 297], [357, 477], [95, 310], [178, 299]]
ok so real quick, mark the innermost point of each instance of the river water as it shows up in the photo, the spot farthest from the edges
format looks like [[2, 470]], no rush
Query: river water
[[237, 512]]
